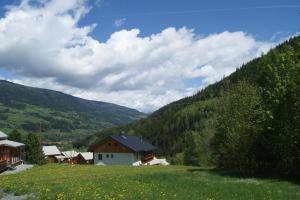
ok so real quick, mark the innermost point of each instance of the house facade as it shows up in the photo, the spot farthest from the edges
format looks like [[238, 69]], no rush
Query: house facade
[[122, 150], [10, 152]]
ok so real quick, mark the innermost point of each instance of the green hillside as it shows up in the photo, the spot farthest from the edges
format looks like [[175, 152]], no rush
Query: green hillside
[[62, 116], [249, 121]]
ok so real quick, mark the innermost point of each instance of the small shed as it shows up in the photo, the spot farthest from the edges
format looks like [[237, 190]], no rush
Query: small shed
[[70, 156], [84, 158], [51, 152]]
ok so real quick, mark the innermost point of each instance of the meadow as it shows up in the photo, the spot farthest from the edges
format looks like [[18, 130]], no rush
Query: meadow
[[148, 182]]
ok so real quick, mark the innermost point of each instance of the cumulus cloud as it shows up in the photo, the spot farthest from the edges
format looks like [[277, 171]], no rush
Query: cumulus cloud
[[44, 46], [119, 22]]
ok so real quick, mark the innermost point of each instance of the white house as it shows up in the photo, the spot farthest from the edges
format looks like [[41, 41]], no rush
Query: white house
[[122, 150]]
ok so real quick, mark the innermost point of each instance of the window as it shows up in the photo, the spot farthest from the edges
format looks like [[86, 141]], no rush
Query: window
[[99, 156], [111, 155], [107, 155]]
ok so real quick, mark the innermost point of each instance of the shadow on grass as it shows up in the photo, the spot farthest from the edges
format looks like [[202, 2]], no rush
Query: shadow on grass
[[266, 176]]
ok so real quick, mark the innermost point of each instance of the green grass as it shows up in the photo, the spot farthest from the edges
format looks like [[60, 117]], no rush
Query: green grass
[[156, 182]]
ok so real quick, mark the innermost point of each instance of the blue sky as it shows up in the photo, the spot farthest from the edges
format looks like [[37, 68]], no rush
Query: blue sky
[[265, 19], [205, 16], [139, 54]]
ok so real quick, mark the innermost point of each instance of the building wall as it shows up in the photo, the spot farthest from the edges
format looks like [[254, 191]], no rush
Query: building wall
[[116, 158], [80, 160], [52, 159], [10, 154], [110, 145]]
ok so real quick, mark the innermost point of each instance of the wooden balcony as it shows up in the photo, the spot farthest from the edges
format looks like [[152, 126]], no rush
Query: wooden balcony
[[148, 157]]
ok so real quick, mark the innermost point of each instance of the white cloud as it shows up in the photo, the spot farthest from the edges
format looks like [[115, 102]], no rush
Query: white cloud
[[119, 22], [45, 46]]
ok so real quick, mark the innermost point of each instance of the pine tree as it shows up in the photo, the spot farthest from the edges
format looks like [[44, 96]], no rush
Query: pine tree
[[15, 136], [34, 152], [191, 152]]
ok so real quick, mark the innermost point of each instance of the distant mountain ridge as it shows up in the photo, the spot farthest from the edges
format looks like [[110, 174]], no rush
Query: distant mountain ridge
[[23, 107]]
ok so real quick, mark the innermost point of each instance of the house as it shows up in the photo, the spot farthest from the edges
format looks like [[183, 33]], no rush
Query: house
[[51, 153], [10, 152], [122, 150], [69, 156], [84, 158]]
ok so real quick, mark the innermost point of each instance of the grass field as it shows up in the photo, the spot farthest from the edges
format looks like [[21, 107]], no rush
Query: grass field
[[157, 182]]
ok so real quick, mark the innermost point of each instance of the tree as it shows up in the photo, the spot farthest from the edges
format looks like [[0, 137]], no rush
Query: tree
[[240, 124], [15, 136], [34, 152], [286, 129], [191, 152]]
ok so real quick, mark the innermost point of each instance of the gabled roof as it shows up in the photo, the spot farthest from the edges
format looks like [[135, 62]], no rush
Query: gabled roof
[[60, 157], [3, 135], [133, 142], [87, 155], [51, 151], [10, 143], [70, 154]]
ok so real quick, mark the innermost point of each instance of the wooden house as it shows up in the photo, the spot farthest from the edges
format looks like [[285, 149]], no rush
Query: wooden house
[[51, 153], [84, 158], [70, 156], [10, 152], [122, 150]]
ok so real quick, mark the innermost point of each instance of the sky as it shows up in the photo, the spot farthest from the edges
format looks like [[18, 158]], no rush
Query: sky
[[139, 54]]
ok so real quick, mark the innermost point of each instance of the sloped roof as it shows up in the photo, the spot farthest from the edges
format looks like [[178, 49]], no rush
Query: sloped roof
[[70, 154], [10, 143], [87, 155], [60, 157], [2, 135], [133, 142], [51, 151]]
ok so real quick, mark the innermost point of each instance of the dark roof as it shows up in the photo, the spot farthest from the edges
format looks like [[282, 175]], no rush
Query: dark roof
[[133, 142]]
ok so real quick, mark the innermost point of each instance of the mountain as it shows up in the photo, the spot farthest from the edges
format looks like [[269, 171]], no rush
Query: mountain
[[61, 116], [247, 122]]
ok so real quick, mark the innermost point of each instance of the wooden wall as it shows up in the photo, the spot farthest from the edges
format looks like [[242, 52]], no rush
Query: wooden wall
[[3, 165], [12, 155], [111, 146], [80, 160], [52, 159]]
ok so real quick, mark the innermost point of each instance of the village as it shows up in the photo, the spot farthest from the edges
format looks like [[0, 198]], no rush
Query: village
[[114, 150]]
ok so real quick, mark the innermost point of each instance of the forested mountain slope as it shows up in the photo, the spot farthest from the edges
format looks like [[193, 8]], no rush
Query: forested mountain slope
[[62, 116], [248, 122]]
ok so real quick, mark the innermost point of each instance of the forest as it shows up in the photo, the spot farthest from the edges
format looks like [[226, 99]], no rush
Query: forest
[[249, 122]]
